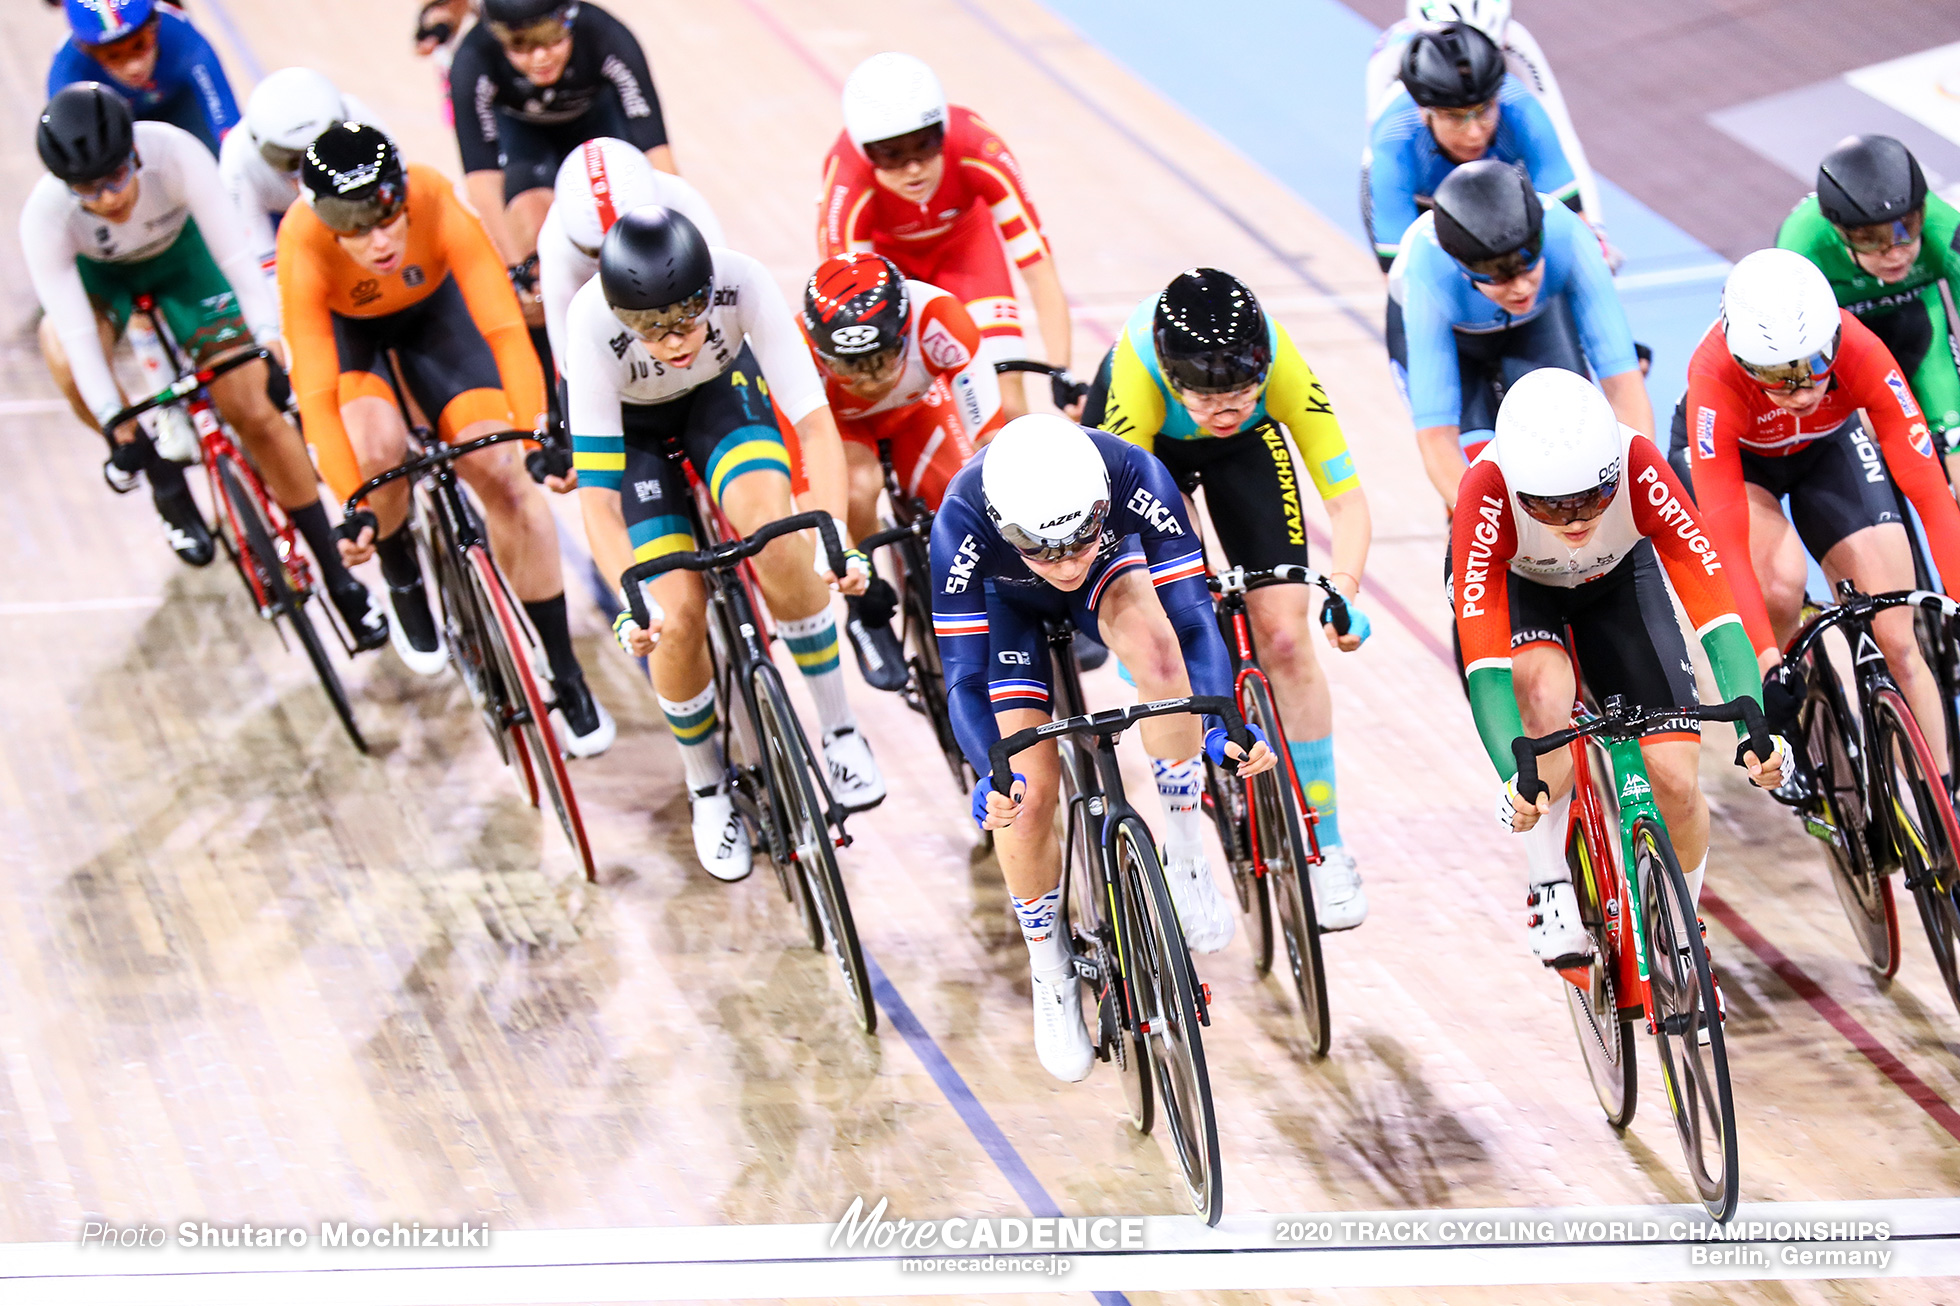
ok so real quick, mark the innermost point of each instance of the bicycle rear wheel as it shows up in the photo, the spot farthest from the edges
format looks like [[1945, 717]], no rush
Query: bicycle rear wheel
[[1605, 1038], [1168, 1016], [1684, 1004], [526, 714], [1837, 812], [792, 771], [1225, 796], [282, 601], [1282, 844], [1097, 922], [1920, 825]]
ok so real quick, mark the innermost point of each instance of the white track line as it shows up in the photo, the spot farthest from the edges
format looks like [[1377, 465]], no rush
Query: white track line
[[617, 1265], [61, 607]]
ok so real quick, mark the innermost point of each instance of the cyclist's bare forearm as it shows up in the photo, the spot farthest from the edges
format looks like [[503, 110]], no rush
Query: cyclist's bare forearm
[[1627, 392], [605, 531], [1050, 310], [1353, 529], [1442, 459], [486, 195]]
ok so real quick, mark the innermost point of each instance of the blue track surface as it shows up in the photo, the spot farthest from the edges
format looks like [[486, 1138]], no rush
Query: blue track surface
[[1282, 81]]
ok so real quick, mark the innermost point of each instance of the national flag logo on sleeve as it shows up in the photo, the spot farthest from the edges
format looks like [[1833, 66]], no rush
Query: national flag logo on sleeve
[[1922, 439], [1704, 432], [1902, 392]]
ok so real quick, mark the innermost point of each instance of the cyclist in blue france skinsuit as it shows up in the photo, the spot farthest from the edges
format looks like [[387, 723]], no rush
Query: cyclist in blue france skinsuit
[[1495, 281], [154, 58], [1052, 520]]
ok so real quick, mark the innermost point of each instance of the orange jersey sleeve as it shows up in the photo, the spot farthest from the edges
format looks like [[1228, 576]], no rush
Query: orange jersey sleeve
[[486, 288], [844, 204], [307, 254], [1718, 414], [990, 169], [1869, 371]]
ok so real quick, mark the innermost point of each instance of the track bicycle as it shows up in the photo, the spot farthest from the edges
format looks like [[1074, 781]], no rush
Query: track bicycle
[[925, 688], [490, 640], [775, 778], [1142, 999], [1648, 955], [1265, 824], [258, 537], [1869, 786]]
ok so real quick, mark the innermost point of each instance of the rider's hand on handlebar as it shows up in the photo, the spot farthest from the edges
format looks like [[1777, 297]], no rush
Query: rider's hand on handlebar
[[1517, 815], [638, 640], [857, 569], [551, 467], [1766, 775], [355, 536], [1220, 748], [992, 811], [1359, 628]]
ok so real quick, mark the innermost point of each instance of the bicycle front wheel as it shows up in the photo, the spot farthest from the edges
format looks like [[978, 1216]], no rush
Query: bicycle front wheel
[[1684, 1007], [1837, 813], [1225, 797], [928, 685], [792, 774], [1605, 1037], [525, 712], [1168, 1016], [281, 600], [1280, 834], [1098, 920], [1920, 824]]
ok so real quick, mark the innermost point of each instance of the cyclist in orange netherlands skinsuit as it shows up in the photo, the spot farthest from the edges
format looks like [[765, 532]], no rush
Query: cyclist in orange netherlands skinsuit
[[384, 260]]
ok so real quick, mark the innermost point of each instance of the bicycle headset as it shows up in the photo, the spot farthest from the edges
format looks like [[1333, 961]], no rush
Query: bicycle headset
[[353, 178], [656, 272], [856, 311], [87, 132], [1453, 66], [1490, 220], [1210, 333]]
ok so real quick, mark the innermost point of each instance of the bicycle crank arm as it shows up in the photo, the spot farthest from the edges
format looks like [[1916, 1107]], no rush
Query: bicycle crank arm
[[1819, 828]]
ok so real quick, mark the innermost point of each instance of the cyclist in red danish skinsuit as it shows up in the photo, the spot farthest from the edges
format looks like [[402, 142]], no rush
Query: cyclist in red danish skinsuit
[[921, 182], [900, 361]]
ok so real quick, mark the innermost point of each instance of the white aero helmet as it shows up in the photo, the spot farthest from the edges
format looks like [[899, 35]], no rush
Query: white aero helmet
[[1046, 486], [1560, 446], [1781, 319], [288, 111], [597, 182], [1490, 17], [889, 95]]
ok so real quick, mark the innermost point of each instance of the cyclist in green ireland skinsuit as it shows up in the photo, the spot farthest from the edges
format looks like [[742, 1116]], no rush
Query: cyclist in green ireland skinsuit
[[1888, 249]]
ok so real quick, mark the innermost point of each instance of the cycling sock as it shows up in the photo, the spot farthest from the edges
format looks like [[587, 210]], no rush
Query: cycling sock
[[1544, 845], [1694, 879], [400, 566], [1047, 954], [1182, 786], [694, 724], [1314, 762], [813, 643], [555, 633], [312, 523]]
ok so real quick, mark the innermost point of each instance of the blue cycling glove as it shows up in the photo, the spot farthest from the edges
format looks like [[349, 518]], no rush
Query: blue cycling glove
[[1358, 623], [1215, 741], [980, 792]]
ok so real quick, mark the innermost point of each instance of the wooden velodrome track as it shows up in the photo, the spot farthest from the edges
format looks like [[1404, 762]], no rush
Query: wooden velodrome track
[[248, 975]]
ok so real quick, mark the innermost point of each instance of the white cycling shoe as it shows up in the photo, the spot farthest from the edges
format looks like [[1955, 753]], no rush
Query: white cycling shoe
[[721, 836], [1339, 901], [1558, 936], [854, 777], [1208, 920], [1060, 1038]]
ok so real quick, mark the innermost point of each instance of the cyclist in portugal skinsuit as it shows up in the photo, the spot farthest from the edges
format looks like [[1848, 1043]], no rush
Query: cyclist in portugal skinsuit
[[1892, 254], [926, 184], [1205, 380], [900, 361], [1564, 522]]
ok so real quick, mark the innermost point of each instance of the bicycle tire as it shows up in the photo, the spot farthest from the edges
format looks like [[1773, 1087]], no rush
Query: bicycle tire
[[463, 626], [1925, 836], [1683, 991], [1097, 921], [1225, 796], [527, 715], [1168, 1013], [284, 601], [1838, 800], [1282, 841], [1605, 1037], [793, 768], [926, 692]]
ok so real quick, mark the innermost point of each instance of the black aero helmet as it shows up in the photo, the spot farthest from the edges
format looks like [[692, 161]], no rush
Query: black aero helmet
[[1489, 219], [1866, 180], [86, 133], [857, 312], [507, 19], [1210, 333], [1452, 66], [655, 270], [354, 178]]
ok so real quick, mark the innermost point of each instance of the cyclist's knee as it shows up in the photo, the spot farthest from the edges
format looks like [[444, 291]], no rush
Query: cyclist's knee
[[1542, 680], [1674, 771], [1286, 650], [1898, 640]]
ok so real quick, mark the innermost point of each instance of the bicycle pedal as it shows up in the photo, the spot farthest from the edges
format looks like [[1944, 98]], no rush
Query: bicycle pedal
[[1819, 828], [1579, 978]]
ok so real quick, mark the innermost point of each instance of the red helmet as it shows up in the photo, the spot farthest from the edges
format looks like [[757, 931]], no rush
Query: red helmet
[[857, 312]]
